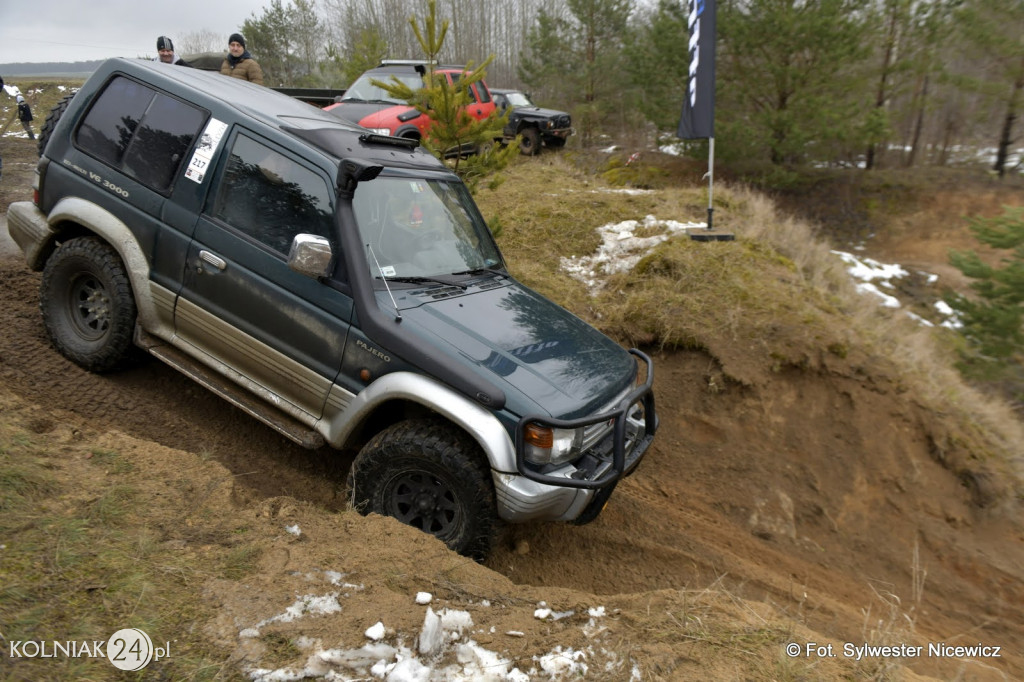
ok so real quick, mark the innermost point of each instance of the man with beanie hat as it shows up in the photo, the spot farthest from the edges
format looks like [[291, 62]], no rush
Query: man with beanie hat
[[239, 63], [167, 55]]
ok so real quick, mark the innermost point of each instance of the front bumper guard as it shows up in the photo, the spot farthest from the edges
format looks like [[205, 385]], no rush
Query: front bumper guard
[[631, 437]]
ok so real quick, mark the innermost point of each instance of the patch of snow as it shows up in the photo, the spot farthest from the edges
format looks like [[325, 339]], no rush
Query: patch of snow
[[564, 662], [870, 270], [887, 300], [432, 634], [307, 604], [952, 319], [621, 249], [442, 653]]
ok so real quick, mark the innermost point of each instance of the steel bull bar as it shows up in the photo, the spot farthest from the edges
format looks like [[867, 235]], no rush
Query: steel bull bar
[[594, 470]]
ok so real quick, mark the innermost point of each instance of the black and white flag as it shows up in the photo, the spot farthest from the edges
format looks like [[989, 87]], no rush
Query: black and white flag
[[698, 119]]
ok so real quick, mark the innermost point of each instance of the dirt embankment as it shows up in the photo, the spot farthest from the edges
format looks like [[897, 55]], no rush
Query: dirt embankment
[[822, 492]]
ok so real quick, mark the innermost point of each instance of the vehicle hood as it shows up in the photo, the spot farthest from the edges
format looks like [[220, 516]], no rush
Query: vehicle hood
[[545, 358], [369, 114], [536, 112]]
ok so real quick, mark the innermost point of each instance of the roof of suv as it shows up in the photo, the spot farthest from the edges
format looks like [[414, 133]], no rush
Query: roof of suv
[[389, 66], [227, 98]]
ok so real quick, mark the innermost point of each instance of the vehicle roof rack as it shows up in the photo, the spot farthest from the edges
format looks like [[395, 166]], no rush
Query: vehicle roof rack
[[406, 62]]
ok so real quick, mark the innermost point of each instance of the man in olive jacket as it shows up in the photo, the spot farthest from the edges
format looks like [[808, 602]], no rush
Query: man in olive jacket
[[239, 63]]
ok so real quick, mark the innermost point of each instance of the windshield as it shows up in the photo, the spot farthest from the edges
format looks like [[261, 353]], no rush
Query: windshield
[[365, 91], [518, 99], [413, 227]]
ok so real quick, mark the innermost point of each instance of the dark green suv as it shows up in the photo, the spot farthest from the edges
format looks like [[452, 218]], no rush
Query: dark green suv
[[339, 285]]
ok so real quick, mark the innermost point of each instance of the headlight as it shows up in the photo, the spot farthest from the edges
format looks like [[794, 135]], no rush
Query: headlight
[[545, 445], [382, 131]]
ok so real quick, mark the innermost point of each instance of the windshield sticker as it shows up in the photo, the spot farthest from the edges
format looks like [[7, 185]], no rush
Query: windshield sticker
[[388, 271], [207, 147]]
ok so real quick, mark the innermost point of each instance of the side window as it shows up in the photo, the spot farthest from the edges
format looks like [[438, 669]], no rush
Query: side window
[[271, 198], [143, 133]]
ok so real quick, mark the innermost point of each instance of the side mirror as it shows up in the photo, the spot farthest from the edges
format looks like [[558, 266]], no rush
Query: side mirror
[[311, 256]]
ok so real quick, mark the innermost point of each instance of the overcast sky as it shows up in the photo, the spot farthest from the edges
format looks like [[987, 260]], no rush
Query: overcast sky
[[80, 30]]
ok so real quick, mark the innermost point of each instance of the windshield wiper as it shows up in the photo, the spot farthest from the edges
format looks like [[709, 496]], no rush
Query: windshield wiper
[[480, 271], [422, 280]]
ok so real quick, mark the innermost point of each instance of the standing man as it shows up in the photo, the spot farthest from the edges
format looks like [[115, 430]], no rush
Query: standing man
[[25, 116], [166, 53], [239, 63]]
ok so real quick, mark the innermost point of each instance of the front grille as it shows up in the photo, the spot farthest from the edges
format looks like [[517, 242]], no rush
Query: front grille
[[595, 433]]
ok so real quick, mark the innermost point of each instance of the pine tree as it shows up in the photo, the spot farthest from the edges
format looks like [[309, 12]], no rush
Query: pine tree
[[578, 56], [657, 60], [467, 143], [994, 28], [992, 318], [791, 79]]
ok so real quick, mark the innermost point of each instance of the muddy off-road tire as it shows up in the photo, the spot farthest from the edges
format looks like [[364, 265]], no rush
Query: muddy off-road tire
[[529, 141], [429, 475], [87, 304], [51, 122]]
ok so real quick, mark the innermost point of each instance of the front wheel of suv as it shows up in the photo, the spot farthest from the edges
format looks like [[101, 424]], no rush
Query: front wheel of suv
[[529, 141], [429, 475], [87, 304]]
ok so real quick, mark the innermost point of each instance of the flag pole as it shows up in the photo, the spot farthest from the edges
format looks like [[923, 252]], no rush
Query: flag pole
[[711, 179], [698, 116]]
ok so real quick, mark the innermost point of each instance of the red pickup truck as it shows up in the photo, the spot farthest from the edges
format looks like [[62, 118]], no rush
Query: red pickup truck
[[372, 107]]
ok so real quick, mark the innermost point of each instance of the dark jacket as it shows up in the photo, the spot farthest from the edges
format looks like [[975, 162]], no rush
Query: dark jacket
[[24, 112]]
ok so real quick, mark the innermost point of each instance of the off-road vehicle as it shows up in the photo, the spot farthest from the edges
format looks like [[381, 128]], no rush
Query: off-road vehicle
[[533, 125], [339, 285], [372, 107]]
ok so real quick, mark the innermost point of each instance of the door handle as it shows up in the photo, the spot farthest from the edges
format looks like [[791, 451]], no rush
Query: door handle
[[212, 259]]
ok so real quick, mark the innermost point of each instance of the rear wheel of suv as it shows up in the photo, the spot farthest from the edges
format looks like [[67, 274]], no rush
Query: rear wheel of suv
[[529, 142], [429, 475], [88, 308]]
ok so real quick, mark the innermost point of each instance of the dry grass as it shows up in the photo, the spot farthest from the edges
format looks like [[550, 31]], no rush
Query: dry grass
[[81, 561]]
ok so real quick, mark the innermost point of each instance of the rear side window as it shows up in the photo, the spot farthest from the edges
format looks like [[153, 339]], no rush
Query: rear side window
[[143, 133]]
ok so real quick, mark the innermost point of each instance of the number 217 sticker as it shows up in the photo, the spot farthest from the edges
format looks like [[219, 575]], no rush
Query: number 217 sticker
[[207, 147]]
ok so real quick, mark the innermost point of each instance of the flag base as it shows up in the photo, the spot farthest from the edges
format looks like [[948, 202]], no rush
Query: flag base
[[711, 236]]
